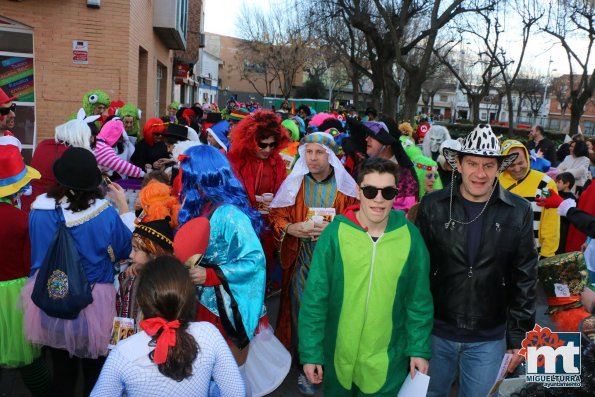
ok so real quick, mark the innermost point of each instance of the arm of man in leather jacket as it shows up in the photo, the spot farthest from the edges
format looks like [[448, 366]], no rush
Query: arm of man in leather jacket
[[523, 277], [582, 220]]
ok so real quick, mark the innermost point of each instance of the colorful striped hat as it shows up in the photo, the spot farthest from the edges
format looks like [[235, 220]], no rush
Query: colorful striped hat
[[322, 138], [239, 114]]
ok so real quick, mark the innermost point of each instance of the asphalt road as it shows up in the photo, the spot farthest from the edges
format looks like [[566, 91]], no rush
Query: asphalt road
[[12, 386]]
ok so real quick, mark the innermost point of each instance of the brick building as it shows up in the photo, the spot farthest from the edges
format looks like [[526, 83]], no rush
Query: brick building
[[228, 52], [559, 116], [52, 52]]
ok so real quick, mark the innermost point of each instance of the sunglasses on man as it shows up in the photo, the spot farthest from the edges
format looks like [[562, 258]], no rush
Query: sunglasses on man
[[5, 111], [388, 193], [264, 145]]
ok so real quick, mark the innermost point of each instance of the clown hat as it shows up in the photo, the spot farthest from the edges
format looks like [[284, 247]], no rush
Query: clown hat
[[5, 98], [14, 174]]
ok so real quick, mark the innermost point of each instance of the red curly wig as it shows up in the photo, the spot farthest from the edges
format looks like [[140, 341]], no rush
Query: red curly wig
[[153, 126], [254, 128]]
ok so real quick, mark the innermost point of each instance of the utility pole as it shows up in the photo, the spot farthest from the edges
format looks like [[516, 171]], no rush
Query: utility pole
[[547, 81]]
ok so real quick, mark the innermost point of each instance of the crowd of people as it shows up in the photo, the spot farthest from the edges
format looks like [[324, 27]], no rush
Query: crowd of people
[[141, 254]]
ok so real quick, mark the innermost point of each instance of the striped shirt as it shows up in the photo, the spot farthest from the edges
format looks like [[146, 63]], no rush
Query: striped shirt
[[320, 194], [108, 160], [537, 210]]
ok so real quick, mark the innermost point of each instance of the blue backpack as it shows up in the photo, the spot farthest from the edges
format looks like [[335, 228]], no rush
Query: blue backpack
[[61, 289]]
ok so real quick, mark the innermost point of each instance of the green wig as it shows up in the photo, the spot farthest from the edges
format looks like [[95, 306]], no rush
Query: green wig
[[294, 131], [423, 165], [129, 110], [94, 97], [411, 149]]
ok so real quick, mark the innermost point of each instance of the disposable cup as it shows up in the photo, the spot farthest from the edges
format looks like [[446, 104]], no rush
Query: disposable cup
[[317, 218]]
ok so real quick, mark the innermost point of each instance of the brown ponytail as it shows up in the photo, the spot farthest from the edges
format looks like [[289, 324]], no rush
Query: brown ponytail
[[164, 290]]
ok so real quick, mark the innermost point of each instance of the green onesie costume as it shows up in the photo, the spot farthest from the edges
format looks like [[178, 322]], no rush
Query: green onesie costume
[[367, 307]]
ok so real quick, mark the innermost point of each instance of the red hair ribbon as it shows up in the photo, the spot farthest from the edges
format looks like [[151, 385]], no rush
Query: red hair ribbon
[[183, 157], [167, 338]]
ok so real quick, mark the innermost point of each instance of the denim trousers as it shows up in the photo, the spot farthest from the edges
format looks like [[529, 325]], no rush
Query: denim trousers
[[475, 363]]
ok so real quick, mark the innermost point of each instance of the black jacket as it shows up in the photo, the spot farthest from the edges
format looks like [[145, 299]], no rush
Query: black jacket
[[582, 220], [547, 147], [502, 286]]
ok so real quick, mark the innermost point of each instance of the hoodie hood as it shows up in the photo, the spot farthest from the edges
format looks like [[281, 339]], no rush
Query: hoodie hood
[[111, 131], [510, 144], [219, 131]]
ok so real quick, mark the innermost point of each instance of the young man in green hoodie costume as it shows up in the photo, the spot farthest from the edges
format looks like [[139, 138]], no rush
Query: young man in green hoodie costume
[[367, 310]]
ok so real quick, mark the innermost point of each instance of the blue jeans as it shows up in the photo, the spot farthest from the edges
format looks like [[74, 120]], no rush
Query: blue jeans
[[476, 364]]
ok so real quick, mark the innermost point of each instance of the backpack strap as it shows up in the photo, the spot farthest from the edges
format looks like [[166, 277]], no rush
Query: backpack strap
[[62, 220]]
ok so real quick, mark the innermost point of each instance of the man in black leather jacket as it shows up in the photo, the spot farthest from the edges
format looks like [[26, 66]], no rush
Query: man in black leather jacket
[[483, 265]]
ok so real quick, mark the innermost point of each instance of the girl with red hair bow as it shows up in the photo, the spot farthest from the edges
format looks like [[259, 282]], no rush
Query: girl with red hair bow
[[173, 355]]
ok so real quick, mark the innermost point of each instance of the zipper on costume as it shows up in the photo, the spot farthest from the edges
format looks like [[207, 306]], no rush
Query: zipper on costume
[[371, 273]]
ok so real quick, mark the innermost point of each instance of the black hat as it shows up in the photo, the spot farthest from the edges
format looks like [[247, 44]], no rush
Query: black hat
[[77, 169], [213, 117], [331, 122], [372, 111], [176, 131], [379, 131], [159, 231]]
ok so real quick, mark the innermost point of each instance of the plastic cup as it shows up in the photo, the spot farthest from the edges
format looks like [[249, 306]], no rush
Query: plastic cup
[[317, 219], [268, 196], [309, 226]]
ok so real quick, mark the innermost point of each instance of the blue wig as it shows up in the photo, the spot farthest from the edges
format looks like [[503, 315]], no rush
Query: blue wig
[[207, 178]]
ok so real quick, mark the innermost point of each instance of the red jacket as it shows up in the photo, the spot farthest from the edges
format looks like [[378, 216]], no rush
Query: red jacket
[[15, 260], [43, 159], [242, 167]]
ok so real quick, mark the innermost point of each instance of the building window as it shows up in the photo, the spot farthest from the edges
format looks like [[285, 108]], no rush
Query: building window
[[443, 98], [182, 12], [253, 67], [160, 94], [17, 79]]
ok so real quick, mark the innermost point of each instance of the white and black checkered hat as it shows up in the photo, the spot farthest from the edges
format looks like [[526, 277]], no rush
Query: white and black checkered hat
[[480, 142]]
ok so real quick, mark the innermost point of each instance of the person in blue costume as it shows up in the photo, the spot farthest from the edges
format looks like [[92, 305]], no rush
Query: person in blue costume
[[230, 279], [234, 264], [102, 239]]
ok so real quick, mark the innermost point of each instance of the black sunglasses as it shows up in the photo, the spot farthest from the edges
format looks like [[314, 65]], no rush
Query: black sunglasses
[[5, 111], [388, 193], [263, 145]]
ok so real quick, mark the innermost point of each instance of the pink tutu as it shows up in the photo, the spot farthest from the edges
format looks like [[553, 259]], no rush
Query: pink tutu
[[87, 336]]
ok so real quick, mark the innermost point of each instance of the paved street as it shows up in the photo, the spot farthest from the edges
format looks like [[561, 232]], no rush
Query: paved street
[[12, 386]]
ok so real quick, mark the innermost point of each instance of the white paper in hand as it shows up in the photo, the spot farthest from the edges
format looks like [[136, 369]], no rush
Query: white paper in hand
[[416, 387]]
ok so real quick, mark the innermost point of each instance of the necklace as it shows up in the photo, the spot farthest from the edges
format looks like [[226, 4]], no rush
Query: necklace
[[451, 222]]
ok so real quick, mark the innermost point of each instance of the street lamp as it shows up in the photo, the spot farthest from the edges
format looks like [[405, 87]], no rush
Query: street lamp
[[457, 88], [547, 79]]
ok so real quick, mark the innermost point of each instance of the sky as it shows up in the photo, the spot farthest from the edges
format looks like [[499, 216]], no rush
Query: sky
[[221, 17]]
